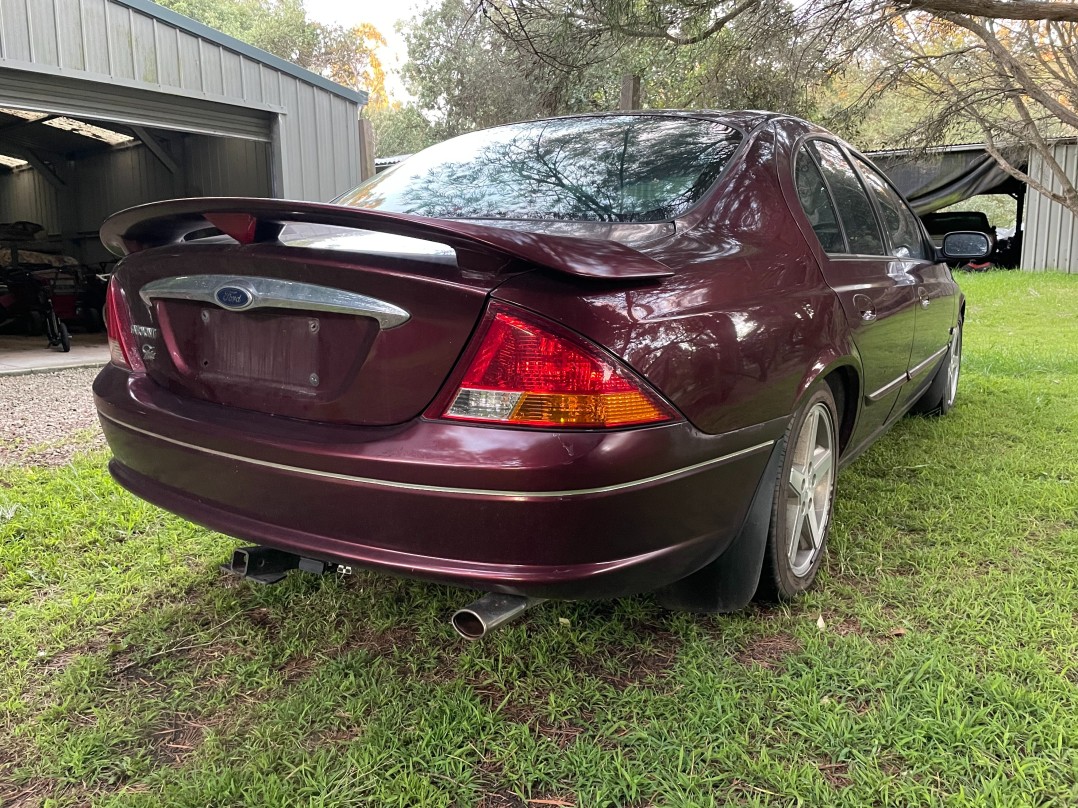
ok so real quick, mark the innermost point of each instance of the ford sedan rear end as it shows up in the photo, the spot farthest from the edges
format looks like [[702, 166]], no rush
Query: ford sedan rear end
[[577, 358]]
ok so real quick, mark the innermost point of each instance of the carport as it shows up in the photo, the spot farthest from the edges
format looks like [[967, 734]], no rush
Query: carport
[[937, 178], [105, 104]]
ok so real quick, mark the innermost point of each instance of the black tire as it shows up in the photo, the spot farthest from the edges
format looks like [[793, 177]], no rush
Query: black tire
[[804, 499], [940, 396], [65, 338]]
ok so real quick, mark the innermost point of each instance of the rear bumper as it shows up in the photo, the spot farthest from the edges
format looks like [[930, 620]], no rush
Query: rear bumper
[[560, 515]]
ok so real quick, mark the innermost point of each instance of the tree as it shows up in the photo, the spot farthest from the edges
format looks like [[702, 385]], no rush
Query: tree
[[1012, 84], [677, 23], [745, 53], [1008, 10], [1003, 71], [476, 63], [348, 56], [467, 76], [400, 129], [1033, 66]]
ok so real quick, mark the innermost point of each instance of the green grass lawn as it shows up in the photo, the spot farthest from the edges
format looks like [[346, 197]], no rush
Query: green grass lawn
[[944, 671]]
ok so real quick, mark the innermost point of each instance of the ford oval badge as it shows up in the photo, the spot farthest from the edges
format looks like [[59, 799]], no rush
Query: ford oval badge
[[233, 297]]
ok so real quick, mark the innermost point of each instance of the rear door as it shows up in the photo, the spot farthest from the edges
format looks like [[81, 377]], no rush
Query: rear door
[[935, 286], [878, 294]]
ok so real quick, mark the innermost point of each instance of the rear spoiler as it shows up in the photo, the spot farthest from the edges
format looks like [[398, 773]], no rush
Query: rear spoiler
[[252, 221]]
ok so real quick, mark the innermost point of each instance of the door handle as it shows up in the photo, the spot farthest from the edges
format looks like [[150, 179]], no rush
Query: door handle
[[921, 293], [865, 307]]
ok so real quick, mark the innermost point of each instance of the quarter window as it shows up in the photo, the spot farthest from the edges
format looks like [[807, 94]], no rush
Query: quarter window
[[816, 202], [854, 206]]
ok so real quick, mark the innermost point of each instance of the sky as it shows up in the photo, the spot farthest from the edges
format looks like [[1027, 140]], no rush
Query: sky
[[383, 15]]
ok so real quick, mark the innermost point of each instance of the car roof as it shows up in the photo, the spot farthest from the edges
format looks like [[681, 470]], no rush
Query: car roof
[[744, 120]]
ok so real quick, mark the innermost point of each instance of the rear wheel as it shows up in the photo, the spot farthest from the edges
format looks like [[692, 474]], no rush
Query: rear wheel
[[940, 396], [804, 499], [65, 338]]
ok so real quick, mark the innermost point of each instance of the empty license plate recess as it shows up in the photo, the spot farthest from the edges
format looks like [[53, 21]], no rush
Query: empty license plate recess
[[267, 347], [262, 359], [287, 362]]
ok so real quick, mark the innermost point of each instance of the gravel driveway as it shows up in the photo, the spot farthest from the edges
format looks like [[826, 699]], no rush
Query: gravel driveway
[[46, 417]]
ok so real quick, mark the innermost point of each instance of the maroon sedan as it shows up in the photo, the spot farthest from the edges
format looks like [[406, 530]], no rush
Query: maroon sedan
[[573, 358]]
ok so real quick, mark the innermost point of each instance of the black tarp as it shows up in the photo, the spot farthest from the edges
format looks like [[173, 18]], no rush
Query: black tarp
[[935, 180]]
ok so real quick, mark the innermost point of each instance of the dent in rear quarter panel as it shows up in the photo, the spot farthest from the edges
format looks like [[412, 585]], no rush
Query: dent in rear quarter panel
[[746, 321]]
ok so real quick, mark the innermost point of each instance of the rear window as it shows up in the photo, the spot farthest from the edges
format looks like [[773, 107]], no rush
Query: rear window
[[941, 223], [626, 168]]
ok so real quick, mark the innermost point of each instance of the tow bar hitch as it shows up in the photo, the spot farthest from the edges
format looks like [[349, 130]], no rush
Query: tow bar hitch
[[264, 565]]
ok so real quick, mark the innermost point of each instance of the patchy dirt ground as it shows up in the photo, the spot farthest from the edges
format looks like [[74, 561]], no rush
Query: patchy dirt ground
[[46, 417]]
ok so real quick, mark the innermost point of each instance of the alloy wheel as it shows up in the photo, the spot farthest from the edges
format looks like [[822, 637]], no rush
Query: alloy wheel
[[954, 367], [809, 486]]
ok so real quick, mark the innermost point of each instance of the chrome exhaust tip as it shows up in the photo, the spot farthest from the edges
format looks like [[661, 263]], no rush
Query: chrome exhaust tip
[[491, 611]]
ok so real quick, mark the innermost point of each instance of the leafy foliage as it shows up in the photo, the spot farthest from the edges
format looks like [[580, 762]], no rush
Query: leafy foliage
[[400, 129], [347, 56], [884, 74], [467, 76], [476, 64], [923, 73]]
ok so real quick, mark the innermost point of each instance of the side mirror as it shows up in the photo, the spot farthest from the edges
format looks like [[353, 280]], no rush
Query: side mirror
[[966, 245]]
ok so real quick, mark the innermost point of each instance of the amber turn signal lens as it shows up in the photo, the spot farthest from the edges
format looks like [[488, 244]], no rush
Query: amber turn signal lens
[[529, 373]]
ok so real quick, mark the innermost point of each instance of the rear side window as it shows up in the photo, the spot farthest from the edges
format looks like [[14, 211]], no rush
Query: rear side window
[[816, 202], [615, 168], [899, 222], [854, 206]]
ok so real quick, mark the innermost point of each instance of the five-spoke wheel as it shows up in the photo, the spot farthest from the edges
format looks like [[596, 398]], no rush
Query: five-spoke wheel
[[811, 480], [939, 397], [954, 368], [804, 497]]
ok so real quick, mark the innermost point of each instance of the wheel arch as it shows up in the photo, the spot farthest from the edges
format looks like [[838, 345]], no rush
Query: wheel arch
[[843, 375], [845, 384]]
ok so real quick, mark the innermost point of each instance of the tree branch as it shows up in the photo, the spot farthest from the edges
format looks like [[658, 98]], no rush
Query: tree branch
[[1007, 61], [710, 31], [1000, 9]]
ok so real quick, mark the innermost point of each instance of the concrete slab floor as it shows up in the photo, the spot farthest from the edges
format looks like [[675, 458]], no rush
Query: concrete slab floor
[[33, 355]]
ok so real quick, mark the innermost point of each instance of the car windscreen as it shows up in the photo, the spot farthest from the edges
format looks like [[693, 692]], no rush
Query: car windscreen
[[623, 168]]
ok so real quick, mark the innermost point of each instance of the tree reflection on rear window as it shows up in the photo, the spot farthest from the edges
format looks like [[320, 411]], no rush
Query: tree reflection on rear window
[[627, 168]]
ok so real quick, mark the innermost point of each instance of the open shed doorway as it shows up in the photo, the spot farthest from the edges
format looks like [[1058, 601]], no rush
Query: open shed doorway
[[60, 177], [963, 188], [998, 213]]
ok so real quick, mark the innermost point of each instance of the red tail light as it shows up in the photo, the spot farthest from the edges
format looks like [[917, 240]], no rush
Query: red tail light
[[122, 345], [529, 372]]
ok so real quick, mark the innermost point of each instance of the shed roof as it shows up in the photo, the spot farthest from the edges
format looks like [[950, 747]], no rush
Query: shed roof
[[55, 135], [198, 29], [936, 178]]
